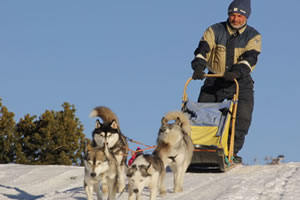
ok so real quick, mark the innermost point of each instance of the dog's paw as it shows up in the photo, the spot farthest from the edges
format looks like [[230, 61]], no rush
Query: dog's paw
[[178, 189], [163, 191], [121, 187], [104, 189]]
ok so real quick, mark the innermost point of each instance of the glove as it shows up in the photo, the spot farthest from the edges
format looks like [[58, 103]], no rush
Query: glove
[[198, 74], [230, 76], [198, 66]]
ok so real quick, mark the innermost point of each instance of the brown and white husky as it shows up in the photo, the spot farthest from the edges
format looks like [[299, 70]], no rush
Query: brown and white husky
[[174, 147], [108, 132], [100, 168]]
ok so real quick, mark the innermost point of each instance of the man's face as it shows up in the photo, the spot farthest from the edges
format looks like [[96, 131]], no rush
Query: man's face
[[237, 20]]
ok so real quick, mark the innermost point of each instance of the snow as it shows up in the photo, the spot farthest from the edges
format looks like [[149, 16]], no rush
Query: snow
[[258, 182]]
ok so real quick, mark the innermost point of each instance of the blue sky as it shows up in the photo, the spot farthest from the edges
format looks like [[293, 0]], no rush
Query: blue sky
[[134, 57]]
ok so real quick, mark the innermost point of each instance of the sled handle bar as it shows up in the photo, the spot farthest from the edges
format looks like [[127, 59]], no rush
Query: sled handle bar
[[184, 97], [234, 110]]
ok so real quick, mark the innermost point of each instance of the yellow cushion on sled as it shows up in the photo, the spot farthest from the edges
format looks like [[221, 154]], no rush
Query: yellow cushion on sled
[[205, 135]]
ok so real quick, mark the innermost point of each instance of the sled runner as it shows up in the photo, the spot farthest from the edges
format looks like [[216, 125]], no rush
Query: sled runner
[[213, 126]]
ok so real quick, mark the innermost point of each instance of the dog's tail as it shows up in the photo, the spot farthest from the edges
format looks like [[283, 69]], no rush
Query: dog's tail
[[105, 113], [179, 117]]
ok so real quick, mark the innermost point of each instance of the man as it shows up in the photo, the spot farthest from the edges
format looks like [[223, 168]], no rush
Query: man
[[230, 48]]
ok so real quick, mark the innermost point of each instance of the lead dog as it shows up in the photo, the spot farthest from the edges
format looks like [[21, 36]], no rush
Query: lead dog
[[100, 167], [174, 147], [144, 171], [109, 132]]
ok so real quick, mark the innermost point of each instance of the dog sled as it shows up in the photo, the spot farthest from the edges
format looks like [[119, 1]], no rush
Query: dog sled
[[213, 129]]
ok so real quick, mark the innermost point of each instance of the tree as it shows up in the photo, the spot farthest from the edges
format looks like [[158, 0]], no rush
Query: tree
[[28, 141], [55, 138], [7, 126]]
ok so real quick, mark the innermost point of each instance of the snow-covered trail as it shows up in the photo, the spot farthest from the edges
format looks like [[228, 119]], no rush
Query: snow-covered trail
[[261, 182], [244, 182]]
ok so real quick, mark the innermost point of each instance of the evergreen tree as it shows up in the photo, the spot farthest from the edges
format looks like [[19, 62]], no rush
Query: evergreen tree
[[7, 126], [28, 141], [55, 138]]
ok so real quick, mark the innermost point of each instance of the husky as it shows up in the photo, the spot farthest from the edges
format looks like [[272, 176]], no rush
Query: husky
[[277, 161], [145, 170], [109, 132], [174, 147], [100, 167]]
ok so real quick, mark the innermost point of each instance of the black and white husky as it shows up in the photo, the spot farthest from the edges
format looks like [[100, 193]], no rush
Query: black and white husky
[[108, 132], [100, 168], [145, 171], [174, 147]]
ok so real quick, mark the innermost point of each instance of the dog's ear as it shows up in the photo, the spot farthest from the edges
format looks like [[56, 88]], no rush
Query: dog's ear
[[178, 121], [150, 169], [114, 124], [87, 143], [131, 171], [144, 170], [164, 121], [88, 147], [98, 124], [107, 153]]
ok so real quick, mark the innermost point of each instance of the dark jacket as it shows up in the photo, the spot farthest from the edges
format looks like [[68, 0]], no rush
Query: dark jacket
[[221, 47]]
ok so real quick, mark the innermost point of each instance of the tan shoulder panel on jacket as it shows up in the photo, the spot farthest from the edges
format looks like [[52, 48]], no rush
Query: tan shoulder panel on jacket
[[254, 44]]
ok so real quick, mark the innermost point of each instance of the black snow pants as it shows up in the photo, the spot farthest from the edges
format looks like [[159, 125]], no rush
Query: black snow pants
[[217, 89]]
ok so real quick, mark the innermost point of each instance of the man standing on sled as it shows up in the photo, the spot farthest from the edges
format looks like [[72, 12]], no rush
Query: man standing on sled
[[230, 48]]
